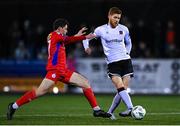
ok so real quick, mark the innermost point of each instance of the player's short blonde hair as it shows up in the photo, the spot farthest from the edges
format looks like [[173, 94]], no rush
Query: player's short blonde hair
[[114, 10]]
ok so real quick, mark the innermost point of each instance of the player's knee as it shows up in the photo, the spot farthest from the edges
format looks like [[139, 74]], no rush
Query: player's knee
[[120, 86], [125, 86], [40, 92], [86, 84]]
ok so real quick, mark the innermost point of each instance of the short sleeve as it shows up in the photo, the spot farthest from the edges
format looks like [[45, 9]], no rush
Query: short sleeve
[[97, 32]]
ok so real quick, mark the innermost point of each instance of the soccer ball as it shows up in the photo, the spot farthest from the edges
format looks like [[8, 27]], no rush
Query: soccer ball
[[138, 112]]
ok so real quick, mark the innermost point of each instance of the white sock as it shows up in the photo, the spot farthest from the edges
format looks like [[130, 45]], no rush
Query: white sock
[[96, 108], [116, 101], [126, 99], [15, 106]]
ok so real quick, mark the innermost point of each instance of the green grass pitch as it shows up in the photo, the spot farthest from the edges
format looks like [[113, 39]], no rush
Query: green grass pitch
[[66, 109]]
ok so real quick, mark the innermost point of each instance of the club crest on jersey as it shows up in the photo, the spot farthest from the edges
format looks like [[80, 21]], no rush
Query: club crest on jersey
[[120, 32]]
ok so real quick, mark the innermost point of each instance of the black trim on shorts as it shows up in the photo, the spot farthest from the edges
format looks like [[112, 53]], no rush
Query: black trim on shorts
[[120, 68]]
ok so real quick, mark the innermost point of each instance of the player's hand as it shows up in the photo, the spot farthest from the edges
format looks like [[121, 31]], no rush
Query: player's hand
[[90, 36], [88, 51], [81, 31]]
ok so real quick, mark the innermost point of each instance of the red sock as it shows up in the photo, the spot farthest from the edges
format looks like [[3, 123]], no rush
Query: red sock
[[27, 97], [90, 97]]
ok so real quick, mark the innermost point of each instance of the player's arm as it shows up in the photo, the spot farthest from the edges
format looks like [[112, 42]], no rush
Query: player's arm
[[56, 37], [86, 42], [86, 46], [128, 42], [72, 39], [67, 39], [79, 36]]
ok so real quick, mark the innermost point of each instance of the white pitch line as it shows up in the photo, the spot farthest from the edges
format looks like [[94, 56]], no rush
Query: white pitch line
[[165, 113]]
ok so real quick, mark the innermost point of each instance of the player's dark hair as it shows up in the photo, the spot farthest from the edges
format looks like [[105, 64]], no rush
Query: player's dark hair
[[60, 22], [114, 10]]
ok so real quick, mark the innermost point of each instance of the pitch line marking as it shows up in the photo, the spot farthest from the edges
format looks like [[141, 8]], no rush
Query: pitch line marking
[[164, 113]]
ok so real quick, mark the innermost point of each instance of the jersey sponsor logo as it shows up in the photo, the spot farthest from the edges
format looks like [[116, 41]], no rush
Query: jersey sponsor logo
[[54, 75], [114, 40]]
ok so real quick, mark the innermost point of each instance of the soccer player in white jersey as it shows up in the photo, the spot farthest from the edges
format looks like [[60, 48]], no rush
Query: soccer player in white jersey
[[117, 45]]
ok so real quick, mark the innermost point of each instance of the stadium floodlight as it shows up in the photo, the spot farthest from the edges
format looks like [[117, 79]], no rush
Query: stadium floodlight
[[55, 90], [6, 89]]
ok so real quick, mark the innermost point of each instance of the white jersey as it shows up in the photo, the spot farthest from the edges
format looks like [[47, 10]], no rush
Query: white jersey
[[116, 42]]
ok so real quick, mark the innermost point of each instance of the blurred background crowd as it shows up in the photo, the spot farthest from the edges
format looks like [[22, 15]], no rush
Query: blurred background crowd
[[25, 25]]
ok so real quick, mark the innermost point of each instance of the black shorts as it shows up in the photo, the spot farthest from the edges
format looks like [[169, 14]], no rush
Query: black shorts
[[120, 68]]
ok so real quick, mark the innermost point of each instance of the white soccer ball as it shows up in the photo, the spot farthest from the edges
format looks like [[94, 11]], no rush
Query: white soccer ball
[[138, 112]]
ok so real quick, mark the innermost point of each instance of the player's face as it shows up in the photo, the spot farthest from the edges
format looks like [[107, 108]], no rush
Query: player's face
[[114, 19], [65, 29]]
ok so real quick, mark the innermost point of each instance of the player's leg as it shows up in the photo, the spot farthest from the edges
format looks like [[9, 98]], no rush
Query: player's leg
[[115, 103], [82, 82], [29, 96], [117, 99], [126, 80], [118, 82], [119, 69]]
